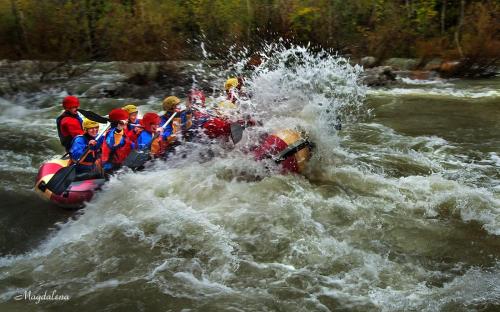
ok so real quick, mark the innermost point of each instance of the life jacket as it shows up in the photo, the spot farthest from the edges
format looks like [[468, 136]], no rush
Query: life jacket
[[116, 153], [217, 127], [145, 139], [187, 124], [187, 120], [199, 119], [172, 129], [132, 131], [90, 160], [66, 139]]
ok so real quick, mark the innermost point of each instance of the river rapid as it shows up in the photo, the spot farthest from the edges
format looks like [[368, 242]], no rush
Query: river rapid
[[398, 211]]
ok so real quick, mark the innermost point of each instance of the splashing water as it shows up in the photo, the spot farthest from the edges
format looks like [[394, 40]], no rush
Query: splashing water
[[384, 219]]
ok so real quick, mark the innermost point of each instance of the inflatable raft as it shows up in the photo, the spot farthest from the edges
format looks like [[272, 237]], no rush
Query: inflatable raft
[[75, 195], [288, 148]]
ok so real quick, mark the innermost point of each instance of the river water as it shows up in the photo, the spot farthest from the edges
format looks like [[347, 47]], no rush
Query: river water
[[398, 211]]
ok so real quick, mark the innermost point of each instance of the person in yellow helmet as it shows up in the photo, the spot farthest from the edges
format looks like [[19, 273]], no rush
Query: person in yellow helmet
[[170, 133], [181, 124], [233, 88], [231, 83], [132, 114], [78, 150], [133, 126]]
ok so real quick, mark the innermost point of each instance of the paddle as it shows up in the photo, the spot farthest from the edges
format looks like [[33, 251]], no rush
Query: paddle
[[93, 116], [137, 158], [98, 118], [236, 132], [292, 149], [63, 178]]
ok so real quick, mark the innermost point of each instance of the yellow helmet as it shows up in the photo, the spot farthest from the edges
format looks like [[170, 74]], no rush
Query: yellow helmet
[[231, 83], [89, 124], [130, 108], [170, 102]]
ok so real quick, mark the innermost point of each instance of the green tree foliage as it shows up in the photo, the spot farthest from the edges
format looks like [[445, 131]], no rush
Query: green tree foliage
[[172, 29]]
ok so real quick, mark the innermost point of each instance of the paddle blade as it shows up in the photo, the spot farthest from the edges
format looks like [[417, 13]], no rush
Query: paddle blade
[[93, 116], [62, 179], [292, 149], [236, 132], [137, 158]]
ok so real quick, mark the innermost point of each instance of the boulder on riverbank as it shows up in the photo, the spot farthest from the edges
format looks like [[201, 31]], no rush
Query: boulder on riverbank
[[397, 63], [368, 61], [420, 70], [378, 76]]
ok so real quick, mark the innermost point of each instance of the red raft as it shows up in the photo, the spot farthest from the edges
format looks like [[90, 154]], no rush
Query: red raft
[[278, 142], [77, 193], [272, 145], [80, 192]]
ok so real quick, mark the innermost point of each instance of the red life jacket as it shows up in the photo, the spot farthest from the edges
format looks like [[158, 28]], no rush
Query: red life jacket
[[217, 127], [132, 134], [66, 138], [118, 155], [132, 131]]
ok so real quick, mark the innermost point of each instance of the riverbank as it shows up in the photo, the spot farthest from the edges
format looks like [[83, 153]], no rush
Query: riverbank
[[145, 79]]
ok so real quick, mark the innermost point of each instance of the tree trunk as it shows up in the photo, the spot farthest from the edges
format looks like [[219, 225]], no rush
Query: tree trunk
[[93, 10], [90, 27], [408, 8], [459, 28], [19, 29], [443, 16]]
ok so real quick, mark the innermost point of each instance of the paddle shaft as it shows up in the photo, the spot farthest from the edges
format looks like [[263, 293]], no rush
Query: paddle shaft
[[290, 150], [90, 146], [169, 120], [162, 127], [135, 155], [93, 116]]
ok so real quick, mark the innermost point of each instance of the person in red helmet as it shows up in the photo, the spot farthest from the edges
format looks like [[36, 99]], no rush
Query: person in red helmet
[[200, 115], [150, 123], [196, 97], [117, 145], [69, 123]]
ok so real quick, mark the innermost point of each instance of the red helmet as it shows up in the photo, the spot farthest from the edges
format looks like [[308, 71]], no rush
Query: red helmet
[[196, 97], [118, 114], [150, 119], [70, 102]]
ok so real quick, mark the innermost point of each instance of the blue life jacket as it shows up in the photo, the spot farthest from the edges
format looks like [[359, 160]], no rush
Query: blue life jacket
[[144, 139], [167, 131], [77, 150]]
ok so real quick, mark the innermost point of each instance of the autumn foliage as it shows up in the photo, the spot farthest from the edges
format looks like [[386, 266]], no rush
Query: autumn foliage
[[138, 30]]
